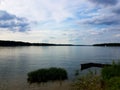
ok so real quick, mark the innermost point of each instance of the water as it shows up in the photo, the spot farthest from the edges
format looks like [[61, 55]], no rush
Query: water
[[16, 62]]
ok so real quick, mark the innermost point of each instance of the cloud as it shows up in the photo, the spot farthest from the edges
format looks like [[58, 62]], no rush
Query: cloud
[[63, 21], [116, 9], [38, 10], [103, 15], [41, 10], [13, 22], [43, 36], [117, 35], [105, 2], [110, 19]]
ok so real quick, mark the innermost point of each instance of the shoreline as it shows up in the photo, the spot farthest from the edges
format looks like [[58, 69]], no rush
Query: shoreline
[[16, 85]]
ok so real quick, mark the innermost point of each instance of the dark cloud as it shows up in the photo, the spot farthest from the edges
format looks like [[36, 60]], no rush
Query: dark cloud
[[116, 10], [104, 15], [102, 20], [105, 2], [13, 22]]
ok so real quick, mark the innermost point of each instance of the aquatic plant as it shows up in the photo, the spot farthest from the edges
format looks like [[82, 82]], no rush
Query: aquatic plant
[[45, 75]]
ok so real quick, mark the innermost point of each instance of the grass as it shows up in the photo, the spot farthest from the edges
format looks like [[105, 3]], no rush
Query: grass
[[111, 71], [111, 76], [89, 81], [108, 80], [113, 83]]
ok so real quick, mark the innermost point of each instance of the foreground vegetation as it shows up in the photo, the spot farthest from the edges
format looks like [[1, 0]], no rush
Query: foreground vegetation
[[111, 77], [89, 81], [108, 80]]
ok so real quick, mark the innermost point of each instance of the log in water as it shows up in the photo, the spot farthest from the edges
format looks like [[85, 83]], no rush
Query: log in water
[[89, 65]]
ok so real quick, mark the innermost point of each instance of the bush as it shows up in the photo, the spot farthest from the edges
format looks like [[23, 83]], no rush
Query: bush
[[113, 83], [108, 80], [57, 74], [38, 76], [45, 75], [111, 71], [111, 77]]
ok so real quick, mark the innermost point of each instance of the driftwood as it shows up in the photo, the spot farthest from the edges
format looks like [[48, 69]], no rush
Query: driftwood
[[89, 65]]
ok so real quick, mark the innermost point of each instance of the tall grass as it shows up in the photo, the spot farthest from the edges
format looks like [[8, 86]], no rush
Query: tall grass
[[108, 80], [111, 76], [89, 81]]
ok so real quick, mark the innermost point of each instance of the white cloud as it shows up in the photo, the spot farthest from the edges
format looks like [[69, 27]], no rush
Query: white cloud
[[36, 9], [117, 35], [56, 21], [41, 10], [43, 36]]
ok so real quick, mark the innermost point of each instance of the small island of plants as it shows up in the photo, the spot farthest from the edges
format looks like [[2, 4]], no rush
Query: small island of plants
[[44, 75]]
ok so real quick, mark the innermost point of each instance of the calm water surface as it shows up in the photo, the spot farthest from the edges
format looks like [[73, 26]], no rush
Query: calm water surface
[[16, 62]]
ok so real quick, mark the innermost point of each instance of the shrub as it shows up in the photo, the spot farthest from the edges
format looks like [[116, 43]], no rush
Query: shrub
[[57, 74], [113, 83], [111, 77], [108, 80], [38, 76], [45, 75], [111, 71]]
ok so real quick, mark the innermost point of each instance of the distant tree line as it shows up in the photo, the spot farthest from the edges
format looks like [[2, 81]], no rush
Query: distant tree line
[[13, 43], [19, 43], [107, 44]]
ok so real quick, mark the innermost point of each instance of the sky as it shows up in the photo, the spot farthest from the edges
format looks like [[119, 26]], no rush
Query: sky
[[60, 21]]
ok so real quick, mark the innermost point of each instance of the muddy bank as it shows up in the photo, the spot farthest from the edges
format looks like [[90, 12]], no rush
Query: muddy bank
[[16, 85]]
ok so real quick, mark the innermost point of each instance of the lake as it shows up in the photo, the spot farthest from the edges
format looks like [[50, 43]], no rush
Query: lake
[[16, 62]]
